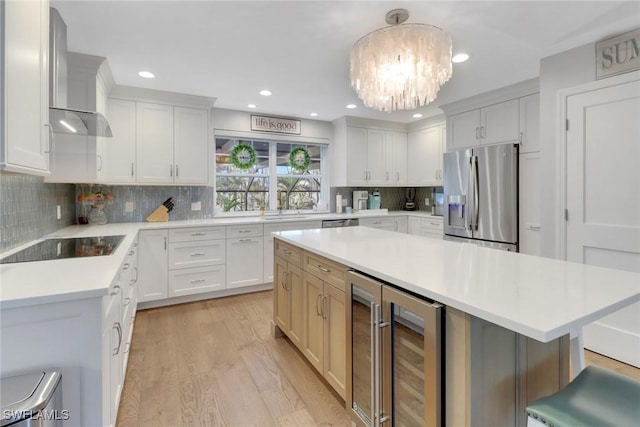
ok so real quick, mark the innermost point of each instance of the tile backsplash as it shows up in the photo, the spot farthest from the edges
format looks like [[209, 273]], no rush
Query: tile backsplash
[[28, 208]]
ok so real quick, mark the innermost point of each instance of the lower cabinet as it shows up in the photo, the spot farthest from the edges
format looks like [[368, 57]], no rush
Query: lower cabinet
[[244, 261], [153, 265], [427, 227], [288, 291]]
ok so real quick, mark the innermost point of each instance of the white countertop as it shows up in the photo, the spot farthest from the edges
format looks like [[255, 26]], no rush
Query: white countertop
[[29, 283], [537, 297]]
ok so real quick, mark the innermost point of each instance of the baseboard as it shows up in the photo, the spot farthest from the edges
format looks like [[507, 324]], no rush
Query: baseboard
[[203, 296], [612, 342]]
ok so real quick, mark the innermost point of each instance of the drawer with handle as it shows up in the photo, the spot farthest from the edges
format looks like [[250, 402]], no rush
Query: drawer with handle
[[196, 233], [325, 269], [196, 254], [196, 280], [248, 230], [434, 224], [288, 252]]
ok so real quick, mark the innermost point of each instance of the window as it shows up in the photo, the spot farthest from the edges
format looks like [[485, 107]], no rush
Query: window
[[271, 183]]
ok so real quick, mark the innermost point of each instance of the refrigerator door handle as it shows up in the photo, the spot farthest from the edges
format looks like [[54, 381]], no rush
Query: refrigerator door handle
[[468, 207], [476, 195]]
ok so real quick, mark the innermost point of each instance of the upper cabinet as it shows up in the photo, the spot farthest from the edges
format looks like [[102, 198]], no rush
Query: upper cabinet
[[156, 142], [507, 115], [24, 49], [368, 156], [424, 159]]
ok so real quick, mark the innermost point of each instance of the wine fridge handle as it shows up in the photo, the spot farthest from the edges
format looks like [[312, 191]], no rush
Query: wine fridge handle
[[377, 356], [373, 363]]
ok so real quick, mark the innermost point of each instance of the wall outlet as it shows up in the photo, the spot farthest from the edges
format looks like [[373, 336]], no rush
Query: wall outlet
[[128, 207], [58, 212], [426, 201], [196, 206]]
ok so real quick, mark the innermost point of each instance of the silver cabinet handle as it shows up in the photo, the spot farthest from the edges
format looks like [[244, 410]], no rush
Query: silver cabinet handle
[[285, 277], [165, 243], [398, 176], [171, 170], [245, 240], [177, 171], [131, 169], [198, 234], [387, 176], [286, 251], [483, 132], [118, 329], [198, 281], [324, 303], [99, 157], [134, 281], [365, 175], [321, 268], [435, 223], [244, 231], [126, 302], [126, 266], [477, 132], [198, 254], [132, 252], [534, 227], [318, 299], [520, 138], [116, 290]]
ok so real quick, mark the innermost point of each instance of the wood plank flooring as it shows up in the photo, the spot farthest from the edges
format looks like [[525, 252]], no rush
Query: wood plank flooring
[[214, 363]]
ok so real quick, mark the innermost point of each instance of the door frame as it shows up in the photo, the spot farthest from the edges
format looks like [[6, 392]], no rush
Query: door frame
[[561, 149]]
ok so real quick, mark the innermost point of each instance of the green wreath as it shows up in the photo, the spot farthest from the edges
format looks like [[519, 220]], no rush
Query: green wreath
[[243, 156], [299, 159]]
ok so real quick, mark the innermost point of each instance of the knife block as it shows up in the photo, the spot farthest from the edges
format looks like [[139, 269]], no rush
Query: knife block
[[159, 215]]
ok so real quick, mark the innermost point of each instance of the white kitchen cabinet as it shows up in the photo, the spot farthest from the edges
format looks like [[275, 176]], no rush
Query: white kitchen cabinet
[[379, 223], [432, 227], [424, 156], [529, 210], [244, 261], [530, 123], [375, 157], [157, 143], [154, 143], [494, 124], [81, 158], [24, 131], [400, 224], [190, 281], [153, 265], [414, 226], [120, 152]]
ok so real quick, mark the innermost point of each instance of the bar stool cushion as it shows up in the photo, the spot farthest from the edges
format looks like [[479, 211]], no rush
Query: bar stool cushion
[[597, 397]]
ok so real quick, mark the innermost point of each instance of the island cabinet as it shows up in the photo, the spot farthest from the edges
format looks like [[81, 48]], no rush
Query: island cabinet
[[288, 301]]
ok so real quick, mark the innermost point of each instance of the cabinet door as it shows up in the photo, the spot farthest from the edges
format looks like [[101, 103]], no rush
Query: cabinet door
[[281, 302], [415, 226], [396, 158], [400, 224], [191, 145], [120, 151], [529, 203], [424, 158], [101, 154], [335, 328], [463, 130], [356, 156], [196, 254], [376, 164], [244, 262], [267, 269], [530, 123], [500, 123], [296, 301], [190, 281], [26, 88], [313, 321], [152, 265], [154, 143]]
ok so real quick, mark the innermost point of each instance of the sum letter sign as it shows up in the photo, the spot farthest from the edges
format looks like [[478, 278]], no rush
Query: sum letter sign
[[618, 55]]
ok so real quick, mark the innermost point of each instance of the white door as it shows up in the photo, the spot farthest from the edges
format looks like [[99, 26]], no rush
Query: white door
[[191, 145], [603, 202], [154, 142]]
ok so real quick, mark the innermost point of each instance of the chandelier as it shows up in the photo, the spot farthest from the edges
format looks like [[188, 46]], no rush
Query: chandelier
[[401, 67]]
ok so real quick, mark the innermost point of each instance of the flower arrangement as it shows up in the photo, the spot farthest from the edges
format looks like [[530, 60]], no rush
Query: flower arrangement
[[97, 200]]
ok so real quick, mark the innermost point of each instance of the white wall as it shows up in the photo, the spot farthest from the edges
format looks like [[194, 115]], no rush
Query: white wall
[[567, 69], [240, 121]]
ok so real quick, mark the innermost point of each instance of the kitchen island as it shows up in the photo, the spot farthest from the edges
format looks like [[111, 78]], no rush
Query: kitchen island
[[508, 317]]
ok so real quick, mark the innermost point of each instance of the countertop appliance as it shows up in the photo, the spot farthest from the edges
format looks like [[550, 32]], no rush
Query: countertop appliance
[[396, 356], [360, 200], [33, 399], [374, 200], [410, 199], [75, 247], [481, 196], [333, 223]]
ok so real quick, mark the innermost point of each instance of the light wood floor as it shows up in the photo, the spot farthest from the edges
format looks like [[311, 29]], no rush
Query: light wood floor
[[214, 363]]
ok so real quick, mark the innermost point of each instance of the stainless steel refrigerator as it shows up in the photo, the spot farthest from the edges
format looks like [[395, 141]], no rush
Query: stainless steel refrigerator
[[481, 196]]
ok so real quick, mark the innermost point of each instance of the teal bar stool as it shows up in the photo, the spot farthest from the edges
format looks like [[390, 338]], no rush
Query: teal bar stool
[[595, 398]]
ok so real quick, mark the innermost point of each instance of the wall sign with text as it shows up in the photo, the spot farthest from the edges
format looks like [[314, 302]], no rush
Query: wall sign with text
[[618, 55], [275, 124]]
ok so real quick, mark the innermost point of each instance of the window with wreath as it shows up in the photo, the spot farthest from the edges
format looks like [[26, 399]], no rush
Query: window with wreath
[[252, 175]]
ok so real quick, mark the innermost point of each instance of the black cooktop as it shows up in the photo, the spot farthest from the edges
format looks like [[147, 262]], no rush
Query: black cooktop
[[76, 247]]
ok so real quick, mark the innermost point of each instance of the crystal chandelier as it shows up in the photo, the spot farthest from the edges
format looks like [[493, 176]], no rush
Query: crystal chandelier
[[400, 67]]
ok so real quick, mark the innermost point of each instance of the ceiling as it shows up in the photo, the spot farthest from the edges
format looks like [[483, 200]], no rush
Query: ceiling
[[299, 50]]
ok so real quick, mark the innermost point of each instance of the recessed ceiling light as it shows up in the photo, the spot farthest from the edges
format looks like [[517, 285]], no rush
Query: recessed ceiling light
[[251, 105], [459, 57], [265, 92], [146, 74], [351, 106], [417, 115], [313, 114]]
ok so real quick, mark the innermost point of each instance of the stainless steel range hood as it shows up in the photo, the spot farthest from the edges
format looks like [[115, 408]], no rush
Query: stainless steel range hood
[[61, 118]]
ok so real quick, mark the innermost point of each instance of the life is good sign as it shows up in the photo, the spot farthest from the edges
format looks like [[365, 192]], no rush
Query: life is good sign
[[275, 124], [618, 55]]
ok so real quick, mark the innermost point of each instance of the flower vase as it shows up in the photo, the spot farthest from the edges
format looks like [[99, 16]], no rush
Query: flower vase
[[97, 215], [83, 218]]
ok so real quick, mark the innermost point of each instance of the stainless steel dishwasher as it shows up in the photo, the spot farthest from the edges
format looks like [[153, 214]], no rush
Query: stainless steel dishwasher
[[333, 223], [32, 399]]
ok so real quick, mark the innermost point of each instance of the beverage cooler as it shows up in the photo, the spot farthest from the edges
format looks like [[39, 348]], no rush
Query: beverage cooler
[[394, 356]]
